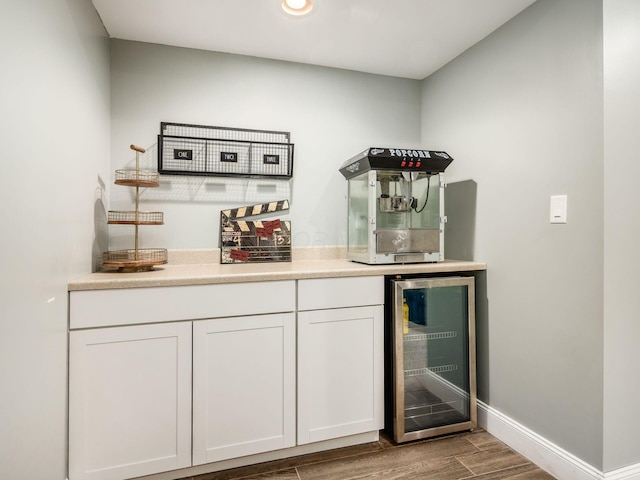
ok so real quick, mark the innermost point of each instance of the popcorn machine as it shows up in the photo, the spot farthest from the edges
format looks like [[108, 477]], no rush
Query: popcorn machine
[[396, 205]]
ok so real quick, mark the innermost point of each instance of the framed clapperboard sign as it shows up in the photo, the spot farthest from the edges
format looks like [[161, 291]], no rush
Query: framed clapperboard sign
[[185, 149], [245, 241]]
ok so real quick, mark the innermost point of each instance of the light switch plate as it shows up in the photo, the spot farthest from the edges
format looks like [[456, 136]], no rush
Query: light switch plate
[[558, 209]]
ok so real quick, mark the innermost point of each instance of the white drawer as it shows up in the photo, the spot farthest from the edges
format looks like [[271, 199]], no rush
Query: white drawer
[[100, 308], [321, 293]]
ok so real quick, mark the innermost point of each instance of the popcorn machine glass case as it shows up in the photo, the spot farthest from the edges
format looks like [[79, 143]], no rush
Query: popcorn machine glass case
[[396, 205]]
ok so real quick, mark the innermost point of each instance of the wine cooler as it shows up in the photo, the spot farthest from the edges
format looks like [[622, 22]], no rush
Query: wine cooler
[[430, 357]]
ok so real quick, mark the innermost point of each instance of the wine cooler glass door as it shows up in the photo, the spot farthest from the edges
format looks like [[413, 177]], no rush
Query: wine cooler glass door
[[434, 357]]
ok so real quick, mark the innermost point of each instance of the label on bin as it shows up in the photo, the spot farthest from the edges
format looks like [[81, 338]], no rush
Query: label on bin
[[229, 157], [271, 159], [181, 154]]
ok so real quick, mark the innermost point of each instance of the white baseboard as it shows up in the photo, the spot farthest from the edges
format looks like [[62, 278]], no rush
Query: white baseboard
[[548, 456], [627, 473]]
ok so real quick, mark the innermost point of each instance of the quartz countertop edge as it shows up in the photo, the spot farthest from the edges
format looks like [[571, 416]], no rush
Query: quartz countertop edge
[[204, 274]]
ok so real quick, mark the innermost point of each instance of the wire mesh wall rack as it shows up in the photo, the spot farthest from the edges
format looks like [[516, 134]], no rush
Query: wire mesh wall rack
[[185, 149]]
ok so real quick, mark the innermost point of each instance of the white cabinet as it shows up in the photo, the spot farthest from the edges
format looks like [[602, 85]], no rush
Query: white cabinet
[[164, 378], [129, 401], [243, 386], [130, 376], [340, 358]]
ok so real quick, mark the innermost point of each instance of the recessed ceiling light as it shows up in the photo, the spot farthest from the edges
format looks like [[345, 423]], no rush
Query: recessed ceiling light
[[297, 7]]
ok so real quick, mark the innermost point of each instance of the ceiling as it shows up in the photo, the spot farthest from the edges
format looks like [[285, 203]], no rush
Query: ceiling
[[401, 38]]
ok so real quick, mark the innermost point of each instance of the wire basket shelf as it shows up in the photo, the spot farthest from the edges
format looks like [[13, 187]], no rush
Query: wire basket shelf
[[137, 178], [135, 218], [135, 259]]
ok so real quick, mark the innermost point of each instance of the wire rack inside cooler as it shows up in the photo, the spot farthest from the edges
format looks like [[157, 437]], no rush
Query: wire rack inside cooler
[[185, 149]]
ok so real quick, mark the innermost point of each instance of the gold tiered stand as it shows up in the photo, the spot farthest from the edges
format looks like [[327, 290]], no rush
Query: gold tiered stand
[[136, 259]]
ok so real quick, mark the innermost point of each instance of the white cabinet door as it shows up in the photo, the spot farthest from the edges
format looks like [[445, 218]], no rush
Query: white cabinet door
[[243, 386], [340, 372], [129, 401]]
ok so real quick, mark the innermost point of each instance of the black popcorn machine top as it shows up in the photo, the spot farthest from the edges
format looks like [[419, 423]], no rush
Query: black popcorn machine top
[[396, 205]]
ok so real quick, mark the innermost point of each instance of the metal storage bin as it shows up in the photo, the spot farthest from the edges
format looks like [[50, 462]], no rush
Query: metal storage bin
[[185, 149]]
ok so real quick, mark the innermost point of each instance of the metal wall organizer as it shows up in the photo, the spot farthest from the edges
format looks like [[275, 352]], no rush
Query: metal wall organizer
[[136, 259], [185, 149]]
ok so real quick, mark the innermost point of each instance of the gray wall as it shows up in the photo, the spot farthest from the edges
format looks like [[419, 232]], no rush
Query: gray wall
[[332, 115], [54, 131], [521, 113], [622, 230]]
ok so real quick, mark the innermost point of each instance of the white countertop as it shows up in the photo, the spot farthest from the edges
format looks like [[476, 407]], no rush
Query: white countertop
[[179, 274]]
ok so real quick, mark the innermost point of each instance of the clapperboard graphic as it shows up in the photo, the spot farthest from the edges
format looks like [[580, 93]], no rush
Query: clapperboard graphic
[[243, 241]]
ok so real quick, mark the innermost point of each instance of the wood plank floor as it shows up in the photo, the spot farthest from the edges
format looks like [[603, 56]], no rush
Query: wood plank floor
[[471, 455]]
